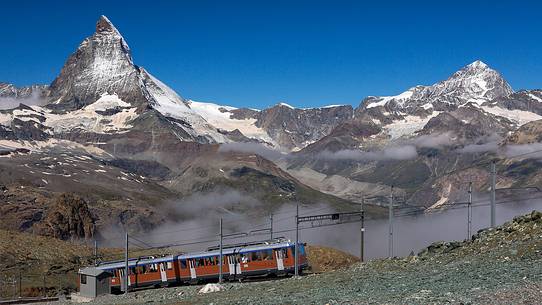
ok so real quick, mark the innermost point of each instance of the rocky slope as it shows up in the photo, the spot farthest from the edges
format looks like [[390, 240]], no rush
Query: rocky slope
[[282, 126]]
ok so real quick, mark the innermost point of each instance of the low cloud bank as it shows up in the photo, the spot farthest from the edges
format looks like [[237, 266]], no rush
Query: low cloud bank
[[391, 153], [479, 148], [252, 148], [533, 150], [433, 141], [34, 100]]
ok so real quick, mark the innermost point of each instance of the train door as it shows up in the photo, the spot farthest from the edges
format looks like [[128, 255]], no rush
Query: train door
[[280, 259], [122, 285], [192, 268], [163, 274], [234, 265]]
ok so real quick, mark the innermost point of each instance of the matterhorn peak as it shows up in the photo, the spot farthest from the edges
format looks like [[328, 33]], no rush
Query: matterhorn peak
[[105, 25], [478, 64]]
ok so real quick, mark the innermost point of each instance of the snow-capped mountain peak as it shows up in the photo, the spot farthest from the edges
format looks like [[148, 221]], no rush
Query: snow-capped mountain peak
[[478, 81], [105, 25], [477, 64], [475, 82]]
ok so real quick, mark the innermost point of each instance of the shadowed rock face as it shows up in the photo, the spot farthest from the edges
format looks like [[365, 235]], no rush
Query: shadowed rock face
[[69, 217], [296, 128]]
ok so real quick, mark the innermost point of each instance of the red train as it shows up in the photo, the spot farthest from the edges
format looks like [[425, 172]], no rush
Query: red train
[[239, 262]]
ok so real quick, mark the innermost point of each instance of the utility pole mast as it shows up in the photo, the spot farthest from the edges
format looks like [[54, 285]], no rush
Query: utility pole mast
[[220, 263], [296, 257], [390, 223], [469, 212], [126, 265], [493, 185], [95, 251], [271, 226], [362, 240]]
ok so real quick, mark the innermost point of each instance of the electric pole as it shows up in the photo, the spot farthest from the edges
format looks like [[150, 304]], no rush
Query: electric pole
[[296, 259], [469, 212], [493, 185], [390, 223], [95, 251], [126, 265], [362, 240], [220, 263], [271, 226]]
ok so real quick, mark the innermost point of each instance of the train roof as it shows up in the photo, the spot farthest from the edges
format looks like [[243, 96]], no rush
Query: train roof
[[144, 261]]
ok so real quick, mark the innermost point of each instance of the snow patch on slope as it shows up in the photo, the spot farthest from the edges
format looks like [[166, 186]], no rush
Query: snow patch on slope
[[90, 118], [220, 116], [519, 116], [400, 98], [408, 126]]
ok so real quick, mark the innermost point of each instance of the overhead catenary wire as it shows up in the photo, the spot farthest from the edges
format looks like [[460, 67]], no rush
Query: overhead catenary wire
[[208, 227]]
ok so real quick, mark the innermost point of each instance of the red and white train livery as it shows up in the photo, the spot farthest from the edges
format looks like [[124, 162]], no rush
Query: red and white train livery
[[270, 258]]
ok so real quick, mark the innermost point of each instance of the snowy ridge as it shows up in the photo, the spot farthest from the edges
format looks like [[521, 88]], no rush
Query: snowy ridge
[[170, 104], [400, 98], [285, 105], [221, 117]]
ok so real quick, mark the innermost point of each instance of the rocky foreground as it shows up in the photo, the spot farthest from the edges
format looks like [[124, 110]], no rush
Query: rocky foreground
[[498, 266]]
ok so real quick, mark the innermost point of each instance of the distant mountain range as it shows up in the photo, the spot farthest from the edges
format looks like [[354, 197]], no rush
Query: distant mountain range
[[128, 145]]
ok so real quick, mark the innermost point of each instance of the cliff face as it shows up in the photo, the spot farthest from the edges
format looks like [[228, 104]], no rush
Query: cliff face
[[69, 217]]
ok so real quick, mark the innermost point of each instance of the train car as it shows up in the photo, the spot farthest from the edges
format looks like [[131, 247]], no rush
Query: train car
[[239, 262]]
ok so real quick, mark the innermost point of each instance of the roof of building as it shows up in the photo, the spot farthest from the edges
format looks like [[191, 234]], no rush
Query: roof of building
[[92, 271]]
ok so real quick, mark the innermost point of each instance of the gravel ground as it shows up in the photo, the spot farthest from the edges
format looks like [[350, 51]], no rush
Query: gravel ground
[[500, 266]]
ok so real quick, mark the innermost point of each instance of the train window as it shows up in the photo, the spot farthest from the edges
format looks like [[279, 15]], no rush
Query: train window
[[132, 270], [83, 278], [169, 265], [199, 262], [210, 261], [183, 264], [244, 258], [254, 256], [284, 252], [267, 255]]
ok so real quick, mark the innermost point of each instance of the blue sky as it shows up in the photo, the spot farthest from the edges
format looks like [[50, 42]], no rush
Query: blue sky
[[305, 53]]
